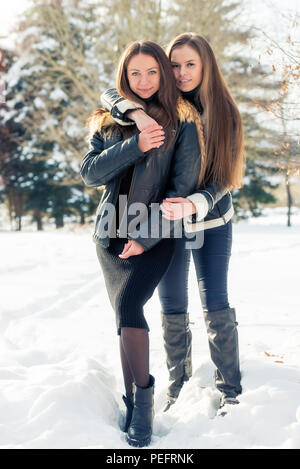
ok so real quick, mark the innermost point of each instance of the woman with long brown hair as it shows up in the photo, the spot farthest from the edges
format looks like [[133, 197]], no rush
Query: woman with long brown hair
[[200, 81], [138, 169]]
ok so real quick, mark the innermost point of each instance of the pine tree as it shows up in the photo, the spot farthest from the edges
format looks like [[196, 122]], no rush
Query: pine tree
[[51, 93], [12, 165], [255, 193]]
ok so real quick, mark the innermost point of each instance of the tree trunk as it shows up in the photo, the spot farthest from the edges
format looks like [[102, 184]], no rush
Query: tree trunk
[[59, 221], [39, 220], [19, 223], [18, 199], [82, 218], [39, 224], [289, 199]]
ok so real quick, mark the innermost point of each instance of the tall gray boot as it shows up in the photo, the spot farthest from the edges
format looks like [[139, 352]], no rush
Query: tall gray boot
[[178, 346], [224, 350]]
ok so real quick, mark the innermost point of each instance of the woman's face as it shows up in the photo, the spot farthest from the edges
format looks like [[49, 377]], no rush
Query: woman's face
[[143, 75], [187, 67]]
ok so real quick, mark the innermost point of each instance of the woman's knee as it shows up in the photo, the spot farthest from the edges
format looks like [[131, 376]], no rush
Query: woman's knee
[[214, 301]]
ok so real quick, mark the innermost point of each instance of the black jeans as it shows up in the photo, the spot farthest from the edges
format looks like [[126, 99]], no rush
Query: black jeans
[[211, 264]]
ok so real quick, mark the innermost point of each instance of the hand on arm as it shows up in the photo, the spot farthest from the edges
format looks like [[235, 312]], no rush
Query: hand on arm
[[175, 208], [142, 120], [131, 248], [151, 137], [152, 134]]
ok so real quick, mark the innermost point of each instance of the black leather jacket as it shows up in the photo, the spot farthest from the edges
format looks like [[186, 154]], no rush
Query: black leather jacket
[[162, 172], [220, 208]]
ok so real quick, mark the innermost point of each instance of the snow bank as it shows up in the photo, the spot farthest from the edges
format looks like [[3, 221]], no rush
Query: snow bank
[[60, 376]]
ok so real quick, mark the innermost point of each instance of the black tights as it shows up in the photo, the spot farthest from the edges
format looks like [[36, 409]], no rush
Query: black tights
[[134, 351]]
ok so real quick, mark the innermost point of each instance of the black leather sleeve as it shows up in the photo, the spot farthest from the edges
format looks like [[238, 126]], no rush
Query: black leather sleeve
[[118, 106], [101, 164]]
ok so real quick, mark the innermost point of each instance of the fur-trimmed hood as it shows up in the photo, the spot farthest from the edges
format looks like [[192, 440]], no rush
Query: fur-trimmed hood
[[98, 120]]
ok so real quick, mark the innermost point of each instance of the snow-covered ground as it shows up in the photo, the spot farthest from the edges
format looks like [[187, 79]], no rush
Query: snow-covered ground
[[60, 377]]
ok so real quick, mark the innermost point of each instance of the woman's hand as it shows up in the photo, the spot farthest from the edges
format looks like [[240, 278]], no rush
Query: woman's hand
[[131, 248], [152, 134], [176, 208], [142, 120], [151, 137]]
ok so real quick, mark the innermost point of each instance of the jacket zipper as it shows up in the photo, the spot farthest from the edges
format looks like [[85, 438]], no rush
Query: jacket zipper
[[115, 203], [130, 189]]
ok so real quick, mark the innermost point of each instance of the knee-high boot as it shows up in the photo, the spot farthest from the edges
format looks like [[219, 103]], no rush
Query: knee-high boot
[[178, 346], [224, 350]]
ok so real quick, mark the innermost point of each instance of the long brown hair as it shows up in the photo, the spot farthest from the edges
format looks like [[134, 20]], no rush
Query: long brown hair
[[164, 111], [222, 152]]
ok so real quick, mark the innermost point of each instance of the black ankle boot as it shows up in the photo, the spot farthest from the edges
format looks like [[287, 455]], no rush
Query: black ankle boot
[[140, 429], [125, 419]]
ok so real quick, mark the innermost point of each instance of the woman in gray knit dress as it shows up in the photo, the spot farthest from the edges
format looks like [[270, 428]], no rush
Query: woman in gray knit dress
[[141, 168]]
